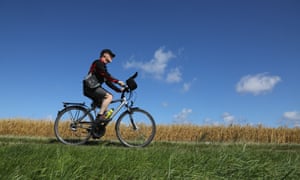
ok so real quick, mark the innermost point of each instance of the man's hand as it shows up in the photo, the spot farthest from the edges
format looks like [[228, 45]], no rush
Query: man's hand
[[122, 89], [121, 83]]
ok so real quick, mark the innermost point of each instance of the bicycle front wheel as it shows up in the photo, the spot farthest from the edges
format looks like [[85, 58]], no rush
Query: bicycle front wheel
[[135, 128], [73, 125]]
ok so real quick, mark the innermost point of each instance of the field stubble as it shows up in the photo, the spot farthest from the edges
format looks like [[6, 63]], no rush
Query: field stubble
[[180, 132]]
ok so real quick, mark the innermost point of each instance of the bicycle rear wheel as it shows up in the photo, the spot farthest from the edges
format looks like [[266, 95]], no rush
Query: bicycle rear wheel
[[135, 128], [73, 125]]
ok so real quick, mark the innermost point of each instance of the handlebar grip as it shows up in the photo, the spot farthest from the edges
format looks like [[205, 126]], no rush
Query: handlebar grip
[[126, 88]]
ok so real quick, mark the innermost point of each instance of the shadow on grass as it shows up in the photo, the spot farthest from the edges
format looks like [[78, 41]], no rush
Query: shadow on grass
[[104, 143], [92, 142]]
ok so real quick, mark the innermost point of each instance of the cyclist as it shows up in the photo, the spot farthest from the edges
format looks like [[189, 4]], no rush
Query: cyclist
[[99, 95]]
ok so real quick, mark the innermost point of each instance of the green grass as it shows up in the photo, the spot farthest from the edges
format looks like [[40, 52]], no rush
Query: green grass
[[33, 158]]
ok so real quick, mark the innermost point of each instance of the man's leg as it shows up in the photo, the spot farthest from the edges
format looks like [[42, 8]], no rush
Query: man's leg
[[105, 98], [105, 103]]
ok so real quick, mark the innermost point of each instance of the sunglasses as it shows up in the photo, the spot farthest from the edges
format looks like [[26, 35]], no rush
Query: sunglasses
[[108, 58]]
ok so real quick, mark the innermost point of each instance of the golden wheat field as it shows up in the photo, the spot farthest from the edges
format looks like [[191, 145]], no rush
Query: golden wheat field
[[189, 133]]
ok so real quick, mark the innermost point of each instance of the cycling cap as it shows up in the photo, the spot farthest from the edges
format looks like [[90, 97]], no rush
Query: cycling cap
[[107, 51]]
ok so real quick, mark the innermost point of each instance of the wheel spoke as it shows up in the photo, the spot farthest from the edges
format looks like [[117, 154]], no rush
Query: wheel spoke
[[136, 129], [69, 129]]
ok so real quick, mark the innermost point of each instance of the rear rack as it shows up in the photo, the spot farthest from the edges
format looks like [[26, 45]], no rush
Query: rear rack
[[73, 104]]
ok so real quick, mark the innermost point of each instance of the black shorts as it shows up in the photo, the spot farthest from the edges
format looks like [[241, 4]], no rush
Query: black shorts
[[97, 94]]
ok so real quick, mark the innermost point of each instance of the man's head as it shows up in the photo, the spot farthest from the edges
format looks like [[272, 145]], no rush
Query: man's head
[[107, 55]]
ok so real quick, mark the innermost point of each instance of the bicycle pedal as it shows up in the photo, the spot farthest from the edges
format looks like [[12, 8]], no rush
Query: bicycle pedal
[[104, 121], [95, 137], [98, 132]]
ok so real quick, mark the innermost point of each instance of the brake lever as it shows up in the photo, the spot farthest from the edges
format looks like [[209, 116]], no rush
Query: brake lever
[[126, 88]]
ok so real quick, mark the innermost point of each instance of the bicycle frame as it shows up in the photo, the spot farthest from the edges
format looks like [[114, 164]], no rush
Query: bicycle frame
[[123, 102]]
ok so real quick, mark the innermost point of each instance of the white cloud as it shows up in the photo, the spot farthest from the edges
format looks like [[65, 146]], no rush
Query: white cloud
[[165, 104], [182, 117], [186, 87], [174, 76], [292, 117], [257, 84], [209, 121], [156, 66], [228, 118]]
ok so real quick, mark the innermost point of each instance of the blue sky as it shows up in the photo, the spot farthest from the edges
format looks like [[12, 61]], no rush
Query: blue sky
[[202, 62]]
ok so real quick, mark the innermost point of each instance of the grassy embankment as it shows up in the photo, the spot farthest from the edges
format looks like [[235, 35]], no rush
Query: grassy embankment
[[45, 158], [28, 150]]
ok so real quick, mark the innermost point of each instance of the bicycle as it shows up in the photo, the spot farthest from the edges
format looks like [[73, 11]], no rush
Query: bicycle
[[75, 123]]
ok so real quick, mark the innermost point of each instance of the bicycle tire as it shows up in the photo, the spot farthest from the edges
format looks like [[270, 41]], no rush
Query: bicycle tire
[[144, 132], [69, 130]]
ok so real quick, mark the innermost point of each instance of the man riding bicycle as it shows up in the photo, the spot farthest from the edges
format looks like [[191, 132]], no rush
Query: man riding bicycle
[[99, 95]]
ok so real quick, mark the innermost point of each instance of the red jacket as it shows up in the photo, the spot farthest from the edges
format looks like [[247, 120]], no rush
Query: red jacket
[[100, 70]]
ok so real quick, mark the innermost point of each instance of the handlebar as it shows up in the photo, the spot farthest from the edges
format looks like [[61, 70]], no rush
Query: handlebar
[[130, 85]]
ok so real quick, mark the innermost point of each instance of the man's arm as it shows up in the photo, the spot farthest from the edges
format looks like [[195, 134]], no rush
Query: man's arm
[[101, 69], [112, 86]]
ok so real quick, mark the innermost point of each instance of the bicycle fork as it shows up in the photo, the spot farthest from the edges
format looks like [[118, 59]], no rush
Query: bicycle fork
[[131, 118]]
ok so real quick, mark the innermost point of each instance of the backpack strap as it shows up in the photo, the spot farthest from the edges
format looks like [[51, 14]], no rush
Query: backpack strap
[[93, 67]]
